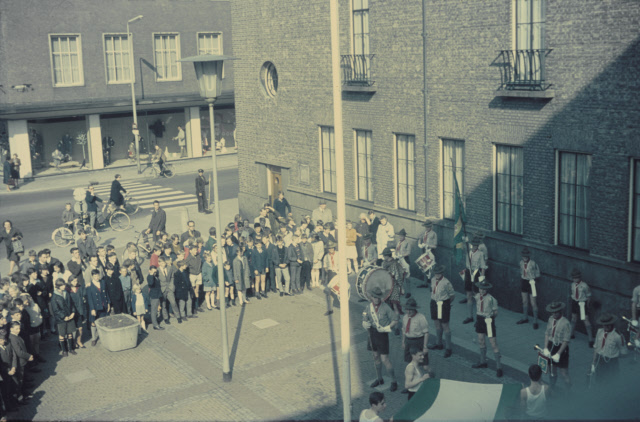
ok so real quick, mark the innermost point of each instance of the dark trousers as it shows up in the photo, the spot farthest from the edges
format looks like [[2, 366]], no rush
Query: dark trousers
[[305, 274], [270, 283], [202, 202], [154, 311]]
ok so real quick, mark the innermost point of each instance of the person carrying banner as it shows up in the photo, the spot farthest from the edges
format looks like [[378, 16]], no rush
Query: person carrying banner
[[380, 320], [442, 296], [580, 299], [487, 310], [557, 337], [529, 273]]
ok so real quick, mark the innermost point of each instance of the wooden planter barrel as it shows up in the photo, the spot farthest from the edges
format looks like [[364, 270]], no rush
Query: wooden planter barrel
[[118, 332]]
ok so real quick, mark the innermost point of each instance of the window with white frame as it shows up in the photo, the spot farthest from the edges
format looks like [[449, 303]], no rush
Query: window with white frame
[[166, 49], [117, 60], [453, 171], [364, 165], [509, 195], [405, 155], [209, 43], [529, 40], [635, 228], [328, 144], [361, 59], [573, 199], [66, 60]]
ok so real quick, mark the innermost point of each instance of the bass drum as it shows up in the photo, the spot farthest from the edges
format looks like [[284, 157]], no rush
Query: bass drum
[[371, 277]]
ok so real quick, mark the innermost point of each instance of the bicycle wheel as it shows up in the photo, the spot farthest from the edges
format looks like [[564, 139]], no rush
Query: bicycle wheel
[[155, 172], [119, 221], [132, 206], [169, 171], [62, 236]]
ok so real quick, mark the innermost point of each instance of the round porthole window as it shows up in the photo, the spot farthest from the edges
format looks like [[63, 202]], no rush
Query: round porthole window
[[269, 79]]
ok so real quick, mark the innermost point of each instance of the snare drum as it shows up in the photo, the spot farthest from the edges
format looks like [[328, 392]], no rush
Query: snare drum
[[371, 277], [334, 286], [426, 261]]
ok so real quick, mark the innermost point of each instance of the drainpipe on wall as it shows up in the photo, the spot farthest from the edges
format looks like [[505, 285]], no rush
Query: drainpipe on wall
[[426, 103]]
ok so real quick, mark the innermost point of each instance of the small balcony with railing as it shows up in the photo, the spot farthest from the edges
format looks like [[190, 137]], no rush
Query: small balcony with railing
[[523, 73], [356, 72]]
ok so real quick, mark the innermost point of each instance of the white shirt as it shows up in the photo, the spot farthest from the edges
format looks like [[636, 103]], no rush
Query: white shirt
[[384, 235]]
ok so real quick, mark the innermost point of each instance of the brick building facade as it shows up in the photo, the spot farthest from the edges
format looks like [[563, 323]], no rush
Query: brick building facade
[[65, 75], [534, 103]]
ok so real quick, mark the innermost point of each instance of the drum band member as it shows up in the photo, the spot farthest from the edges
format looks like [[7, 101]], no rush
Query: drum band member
[[428, 243], [529, 274], [556, 341], [442, 296], [380, 320], [487, 310], [607, 349], [397, 276], [580, 299], [369, 251], [476, 265]]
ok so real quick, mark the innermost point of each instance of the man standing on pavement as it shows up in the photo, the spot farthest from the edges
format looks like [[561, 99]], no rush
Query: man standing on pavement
[[281, 205], [379, 319], [194, 264], [529, 272], [322, 213], [476, 264], [374, 223], [557, 336], [442, 296], [384, 235], [116, 192], [165, 275], [201, 182], [487, 310], [158, 222], [295, 257], [92, 205], [190, 234], [270, 270]]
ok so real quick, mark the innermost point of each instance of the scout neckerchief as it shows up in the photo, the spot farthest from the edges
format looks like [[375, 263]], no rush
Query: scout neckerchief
[[482, 302], [604, 339], [435, 287], [553, 332], [406, 331], [525, 269], [577, 284]]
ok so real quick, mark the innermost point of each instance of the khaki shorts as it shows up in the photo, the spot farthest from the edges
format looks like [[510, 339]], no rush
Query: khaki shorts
[[195, 279]]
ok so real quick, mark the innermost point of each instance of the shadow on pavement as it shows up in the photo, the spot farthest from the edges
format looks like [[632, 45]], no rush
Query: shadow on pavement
[[236, 340]]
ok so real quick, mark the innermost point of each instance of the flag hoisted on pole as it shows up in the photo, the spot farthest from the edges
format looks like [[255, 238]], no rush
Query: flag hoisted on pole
[[460, 219]]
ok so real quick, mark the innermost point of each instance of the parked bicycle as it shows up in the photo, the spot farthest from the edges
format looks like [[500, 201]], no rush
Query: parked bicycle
[[63, 236]]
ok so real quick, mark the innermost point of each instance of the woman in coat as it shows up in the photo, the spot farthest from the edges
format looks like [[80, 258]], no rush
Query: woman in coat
[[15, 170], [114, 290], [116, 192], [9, 235], [6, 172], [182, 287]]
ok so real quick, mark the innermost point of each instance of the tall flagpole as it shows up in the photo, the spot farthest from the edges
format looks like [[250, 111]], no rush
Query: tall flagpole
[[345, 329]]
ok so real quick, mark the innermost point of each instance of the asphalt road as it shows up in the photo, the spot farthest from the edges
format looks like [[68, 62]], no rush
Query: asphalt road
[[37, 214]]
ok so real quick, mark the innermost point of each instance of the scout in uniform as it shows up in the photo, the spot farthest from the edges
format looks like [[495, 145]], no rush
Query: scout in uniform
[[369, 251], [529, 273], [415, 333], [635, 311], [428, 242], [397, 276], [380, 319], [556, 342], [607, 349], [476, 264], [580, 296], [487, 310], [442, 296], [403, 250]]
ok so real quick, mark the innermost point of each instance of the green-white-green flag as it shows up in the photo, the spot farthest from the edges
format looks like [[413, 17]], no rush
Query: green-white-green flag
[[445, 400]]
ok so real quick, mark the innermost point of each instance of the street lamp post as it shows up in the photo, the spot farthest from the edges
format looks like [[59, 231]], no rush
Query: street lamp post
[[209, 71], [132, 74]]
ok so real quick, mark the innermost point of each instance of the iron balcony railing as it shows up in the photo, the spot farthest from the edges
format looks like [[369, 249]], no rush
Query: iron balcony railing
[[356, 69], [524, 69]]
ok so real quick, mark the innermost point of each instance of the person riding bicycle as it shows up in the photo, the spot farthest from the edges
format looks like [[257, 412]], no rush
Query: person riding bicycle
[[116, 192], [69, 217], [159, 158]]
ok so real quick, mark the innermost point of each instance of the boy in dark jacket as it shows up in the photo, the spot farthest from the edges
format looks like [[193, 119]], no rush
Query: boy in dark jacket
[[64, 312]]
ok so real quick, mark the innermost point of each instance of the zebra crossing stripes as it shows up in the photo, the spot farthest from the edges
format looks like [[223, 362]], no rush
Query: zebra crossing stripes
[[146, 193]]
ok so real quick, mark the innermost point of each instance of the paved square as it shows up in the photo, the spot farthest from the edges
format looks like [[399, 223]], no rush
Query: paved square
[[265, 323]]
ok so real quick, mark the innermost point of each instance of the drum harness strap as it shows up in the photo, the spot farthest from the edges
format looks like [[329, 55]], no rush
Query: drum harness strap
[[374, 316]]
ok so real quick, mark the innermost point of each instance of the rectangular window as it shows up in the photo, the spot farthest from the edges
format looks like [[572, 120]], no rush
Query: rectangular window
[[361, 60], [573, 212], [66, 60], [635, 251], [167, 53], [364, 165], [405, 153], [509, 174], [117, 60], [452, 165], [328, 143], [209, 43], [529, 57]]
